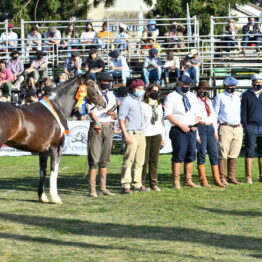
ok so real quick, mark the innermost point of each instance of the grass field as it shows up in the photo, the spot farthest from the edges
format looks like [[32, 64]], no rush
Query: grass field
[[187, 225]]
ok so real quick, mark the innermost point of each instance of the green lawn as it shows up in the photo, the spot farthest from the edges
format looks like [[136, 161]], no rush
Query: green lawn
[[187, 225]]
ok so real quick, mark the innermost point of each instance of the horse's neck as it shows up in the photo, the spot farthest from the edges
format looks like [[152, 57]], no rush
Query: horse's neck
[[64, 98]]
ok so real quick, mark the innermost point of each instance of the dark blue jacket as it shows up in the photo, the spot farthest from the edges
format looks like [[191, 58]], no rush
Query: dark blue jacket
[[251, 109]]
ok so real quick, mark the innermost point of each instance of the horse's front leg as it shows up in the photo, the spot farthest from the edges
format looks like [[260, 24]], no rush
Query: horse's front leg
[[42, 170], [55, 158]]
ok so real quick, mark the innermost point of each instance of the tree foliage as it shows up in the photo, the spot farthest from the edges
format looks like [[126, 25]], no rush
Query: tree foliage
[[203, 9], [47, 9]]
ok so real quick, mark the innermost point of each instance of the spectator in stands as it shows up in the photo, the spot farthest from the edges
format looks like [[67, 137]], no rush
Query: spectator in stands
[[131, 121], [121, 38], [29, 86], [52, 38], [8, 40], [70, 38], [192, 63], [229, 35], [46, 87], [118, 66], [6, 78], [227, 108], [171, 66], [16, 65], [94, 64], [150, 31], [207, 137], [34, 39], [62, 78], [105, 36], [155, 135], [30, 98], [38, 68], [100, 137], [73, 64], [181, 109], [251, 34], [175, 36], [152, 67], [251, 119], [88, 37]]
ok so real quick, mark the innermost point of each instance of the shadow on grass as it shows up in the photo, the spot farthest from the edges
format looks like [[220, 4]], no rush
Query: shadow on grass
[[233, 212], [80, 227]]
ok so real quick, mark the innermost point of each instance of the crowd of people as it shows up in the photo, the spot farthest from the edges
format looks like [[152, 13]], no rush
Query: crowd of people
[[198, 128]]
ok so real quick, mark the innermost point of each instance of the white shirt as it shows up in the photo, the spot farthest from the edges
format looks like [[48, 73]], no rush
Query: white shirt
[[227, 106], [174, 106], [158, 127], [212, 119], [175, 62], [10, 37], [102, 115], [88, 36], [120, 62], [31, 37]]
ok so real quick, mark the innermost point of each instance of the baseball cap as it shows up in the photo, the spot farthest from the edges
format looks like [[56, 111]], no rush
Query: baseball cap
[[230, 81]]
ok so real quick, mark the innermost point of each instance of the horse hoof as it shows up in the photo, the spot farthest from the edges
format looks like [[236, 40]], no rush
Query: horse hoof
[[58, 202], [44, 199]]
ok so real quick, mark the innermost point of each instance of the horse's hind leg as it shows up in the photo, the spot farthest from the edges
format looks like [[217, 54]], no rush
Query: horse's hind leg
[[55, 158], [41, 189]]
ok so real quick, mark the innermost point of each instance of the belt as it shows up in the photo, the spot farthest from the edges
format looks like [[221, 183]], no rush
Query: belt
[[135, 132], [204, 123], [226, 124], [103, 123]]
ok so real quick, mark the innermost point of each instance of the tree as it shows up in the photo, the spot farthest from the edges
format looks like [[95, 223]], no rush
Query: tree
[[203, 9], [47, 9]]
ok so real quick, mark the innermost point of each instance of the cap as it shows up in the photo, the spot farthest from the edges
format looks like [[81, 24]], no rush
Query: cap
[[185, 79], [30, 93], [10, 25], [47, 89], [136, 82], [14, 53], [93, 51], [104, 76], [153, 51], [203, 85], [230, 81], [192, 52], [114, 53], [256, 76]]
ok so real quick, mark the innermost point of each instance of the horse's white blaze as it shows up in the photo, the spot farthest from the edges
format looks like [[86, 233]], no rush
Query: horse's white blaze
[[53, 185]]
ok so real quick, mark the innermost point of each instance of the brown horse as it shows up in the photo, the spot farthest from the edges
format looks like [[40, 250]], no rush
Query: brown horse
[[36, 128]]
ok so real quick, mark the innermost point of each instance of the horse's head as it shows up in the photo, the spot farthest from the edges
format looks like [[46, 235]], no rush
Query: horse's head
[[89, 89]]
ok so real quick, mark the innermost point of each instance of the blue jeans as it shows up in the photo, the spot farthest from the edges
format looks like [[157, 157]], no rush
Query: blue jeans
[[229, 43], [208, 145], [249, 39], [124, 74], [152, 73], [253, 138], [183, 144], [194, 73]]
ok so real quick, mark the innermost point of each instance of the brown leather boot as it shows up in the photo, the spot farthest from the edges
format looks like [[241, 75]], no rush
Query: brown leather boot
[[176, 167], [92, 182], [102, 187], [260, 168], [231, 169], [216, 176], [222, 171], [248, 168], [188, 175], [202, 175]]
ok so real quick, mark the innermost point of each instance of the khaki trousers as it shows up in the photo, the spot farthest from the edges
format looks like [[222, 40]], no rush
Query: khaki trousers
[[230, 139], [133, 160]]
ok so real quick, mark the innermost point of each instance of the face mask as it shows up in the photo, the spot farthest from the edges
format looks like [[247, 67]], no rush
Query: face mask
[[230, 90], [15, 57], [139, 93], [184, 89], [257, 87], [104, 86], [154, 95], [202, 94], [39, 57], [151, 27]]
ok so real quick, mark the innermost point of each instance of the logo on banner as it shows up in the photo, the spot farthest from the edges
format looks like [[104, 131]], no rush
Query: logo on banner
[[77, 140]]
